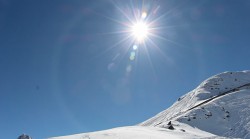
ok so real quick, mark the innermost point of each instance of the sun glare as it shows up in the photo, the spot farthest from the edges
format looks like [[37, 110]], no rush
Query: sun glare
[[140, 31]]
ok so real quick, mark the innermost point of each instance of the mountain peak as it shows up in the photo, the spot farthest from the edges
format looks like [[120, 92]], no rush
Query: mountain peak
[[219, 105], [222, 83]]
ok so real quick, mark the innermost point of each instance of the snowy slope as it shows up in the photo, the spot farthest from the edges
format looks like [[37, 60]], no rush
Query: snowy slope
[[219, 107], [228, 116], [140, 132]]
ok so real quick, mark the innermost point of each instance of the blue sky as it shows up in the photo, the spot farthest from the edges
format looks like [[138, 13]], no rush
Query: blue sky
[[63, 70]]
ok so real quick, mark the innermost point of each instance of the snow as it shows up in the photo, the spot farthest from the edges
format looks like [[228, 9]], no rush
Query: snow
[[219, 105], [221, 82], [218, 108], [140, 132], [229, 115]]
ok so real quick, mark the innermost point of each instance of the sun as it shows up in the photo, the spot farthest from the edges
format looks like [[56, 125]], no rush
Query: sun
[[140, 31]]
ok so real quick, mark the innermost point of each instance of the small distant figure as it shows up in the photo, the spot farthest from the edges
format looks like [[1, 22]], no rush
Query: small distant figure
[[24, 136]]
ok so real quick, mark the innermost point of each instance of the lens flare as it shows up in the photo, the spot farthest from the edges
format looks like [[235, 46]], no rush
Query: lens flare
[[135, 47], [144, 15]]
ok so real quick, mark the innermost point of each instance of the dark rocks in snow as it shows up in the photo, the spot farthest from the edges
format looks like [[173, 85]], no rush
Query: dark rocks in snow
[[222, 108], [169, 123], [171, 127], [208, 114], [236, 89], [183, 130]]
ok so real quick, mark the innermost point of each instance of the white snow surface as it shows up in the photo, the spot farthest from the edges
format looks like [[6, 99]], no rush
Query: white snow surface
[[143, 132], [218, 108], [219, 105]]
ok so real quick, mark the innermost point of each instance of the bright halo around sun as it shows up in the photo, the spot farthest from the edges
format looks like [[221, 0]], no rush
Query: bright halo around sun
[[140, 31]]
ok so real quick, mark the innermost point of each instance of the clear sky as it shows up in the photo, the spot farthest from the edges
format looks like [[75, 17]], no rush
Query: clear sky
[[69, 66]]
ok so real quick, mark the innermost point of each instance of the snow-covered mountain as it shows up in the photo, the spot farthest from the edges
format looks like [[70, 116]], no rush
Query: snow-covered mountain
[[218, 108]]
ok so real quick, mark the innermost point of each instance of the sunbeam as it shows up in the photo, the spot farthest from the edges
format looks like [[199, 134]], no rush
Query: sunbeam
[[141, 25]]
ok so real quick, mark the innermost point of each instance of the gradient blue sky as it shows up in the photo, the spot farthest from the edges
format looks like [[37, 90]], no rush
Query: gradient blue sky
[[63, 70]]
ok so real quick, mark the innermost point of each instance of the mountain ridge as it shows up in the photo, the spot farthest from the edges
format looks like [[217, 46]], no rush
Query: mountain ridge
[[213, 90]]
